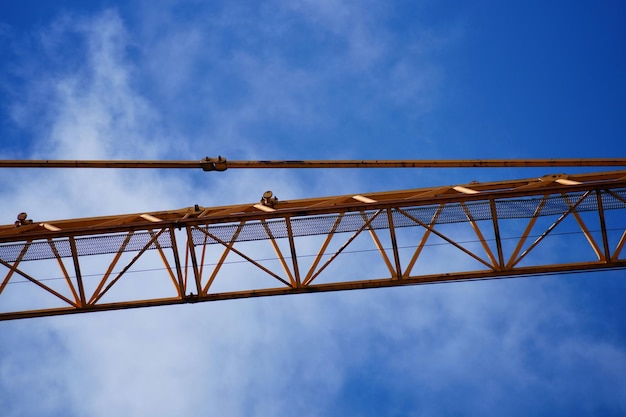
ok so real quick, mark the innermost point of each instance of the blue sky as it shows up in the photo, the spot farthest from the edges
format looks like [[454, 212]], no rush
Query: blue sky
[[312, 80]]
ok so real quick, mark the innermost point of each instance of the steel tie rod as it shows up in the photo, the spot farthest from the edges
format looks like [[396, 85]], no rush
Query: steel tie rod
[[221, 164]]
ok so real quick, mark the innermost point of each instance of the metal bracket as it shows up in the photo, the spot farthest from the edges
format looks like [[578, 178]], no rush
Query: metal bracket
[[214, 164]]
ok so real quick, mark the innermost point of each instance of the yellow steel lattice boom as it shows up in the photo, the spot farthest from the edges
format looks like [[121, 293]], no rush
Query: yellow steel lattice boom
[[483, 230]]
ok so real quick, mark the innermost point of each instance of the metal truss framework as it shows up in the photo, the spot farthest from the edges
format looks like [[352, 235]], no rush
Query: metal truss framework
[[482, 230]]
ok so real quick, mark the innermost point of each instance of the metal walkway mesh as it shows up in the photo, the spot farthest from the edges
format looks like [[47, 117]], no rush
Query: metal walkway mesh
[[314, 225]]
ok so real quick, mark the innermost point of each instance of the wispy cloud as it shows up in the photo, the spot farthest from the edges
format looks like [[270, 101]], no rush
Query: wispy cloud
[[251, 74]]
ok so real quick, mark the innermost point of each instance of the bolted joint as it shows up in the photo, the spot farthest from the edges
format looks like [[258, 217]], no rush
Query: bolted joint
[[22, 219], [191, 298], [214, 164], [269, 199]]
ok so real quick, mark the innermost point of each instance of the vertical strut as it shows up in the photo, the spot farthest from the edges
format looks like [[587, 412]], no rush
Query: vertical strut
[[294, 257], [179, 273], [194, 261], [394, 245], [496, 231], [79, 277], [605, 239]]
